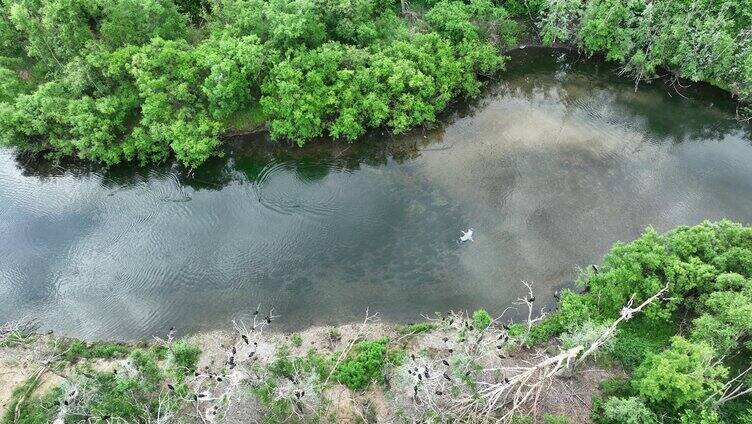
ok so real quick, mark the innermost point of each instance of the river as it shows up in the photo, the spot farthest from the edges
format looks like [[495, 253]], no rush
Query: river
[[557, 161]]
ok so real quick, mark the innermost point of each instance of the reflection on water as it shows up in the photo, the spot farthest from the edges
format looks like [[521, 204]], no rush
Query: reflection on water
[[556, 163]]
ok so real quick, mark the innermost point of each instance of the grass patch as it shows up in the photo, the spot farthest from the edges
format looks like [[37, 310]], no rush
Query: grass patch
[[16, 338], [296, 340], [555, 419], [77, 350], [33, 410], [417, 328]]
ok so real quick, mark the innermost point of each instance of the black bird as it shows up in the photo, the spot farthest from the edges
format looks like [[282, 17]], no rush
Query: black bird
[[425, 373], [245, 339], [302, 393], [202, 395], [445, 362], [219, 378], [595, 268], [256, 311], [234, 351], [506, 380], [255, 343], [196, 374], [504, 326], [451, 350], [171, 387], [530, 299], [467, 374], [250, 355], [447, 377], [451, 321], [410, 372], [412, 356], [438, 392], [446, 339], [420, 377], [268, 319], [195, 398], [557, 295], [65, 402], [114, 371], [471, 328]]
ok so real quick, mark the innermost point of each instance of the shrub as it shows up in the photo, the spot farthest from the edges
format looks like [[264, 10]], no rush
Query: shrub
[[616, 386], [624, 411], [185, 355], [679, 376], [365, 365], [639, 337], [482, 319]]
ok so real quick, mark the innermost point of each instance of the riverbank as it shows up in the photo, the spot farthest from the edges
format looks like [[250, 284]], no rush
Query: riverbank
[[671, 310], [360, 372]]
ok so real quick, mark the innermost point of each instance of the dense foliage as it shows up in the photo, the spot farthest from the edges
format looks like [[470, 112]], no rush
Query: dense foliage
[[142, 80], [701, 40], [689, 347]]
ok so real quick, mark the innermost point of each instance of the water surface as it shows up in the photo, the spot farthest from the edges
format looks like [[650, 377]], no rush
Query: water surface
[[554, 164]]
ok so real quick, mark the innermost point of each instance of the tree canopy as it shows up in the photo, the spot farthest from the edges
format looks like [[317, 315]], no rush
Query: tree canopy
[[701, 40], [126, 80]]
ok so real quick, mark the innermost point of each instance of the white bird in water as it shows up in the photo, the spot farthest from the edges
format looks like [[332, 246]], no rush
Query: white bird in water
[[467, 235]]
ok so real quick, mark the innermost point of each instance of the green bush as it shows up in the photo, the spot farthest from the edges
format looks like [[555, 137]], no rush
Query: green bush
[[482, 319], [639, 337], [185, 355], [365, 365], [624, 411], [679, 376], [616, 386]]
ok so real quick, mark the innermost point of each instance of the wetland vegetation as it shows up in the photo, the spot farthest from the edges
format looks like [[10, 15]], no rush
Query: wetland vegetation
[[132, 199]]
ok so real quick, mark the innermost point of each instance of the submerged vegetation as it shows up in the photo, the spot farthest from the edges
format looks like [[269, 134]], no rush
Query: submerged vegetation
[[683, 356]]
